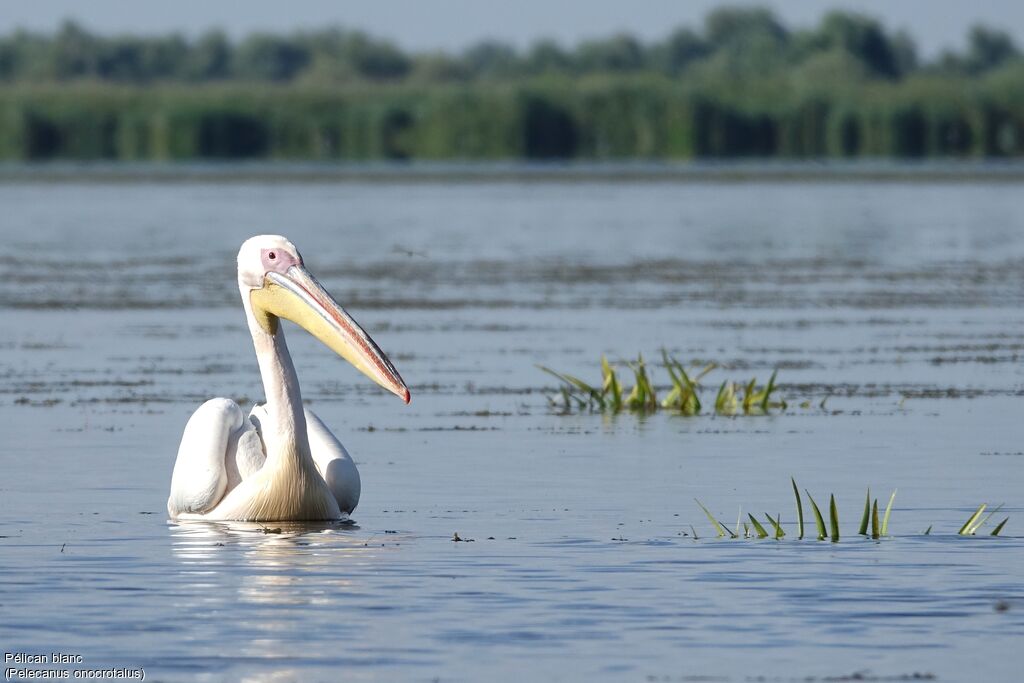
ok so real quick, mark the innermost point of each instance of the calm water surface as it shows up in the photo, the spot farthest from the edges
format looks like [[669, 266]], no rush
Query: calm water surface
[[901, 305]]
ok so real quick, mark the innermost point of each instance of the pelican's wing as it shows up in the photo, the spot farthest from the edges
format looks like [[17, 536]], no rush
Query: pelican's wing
[[246, 452], [200, 476], [334, 463]]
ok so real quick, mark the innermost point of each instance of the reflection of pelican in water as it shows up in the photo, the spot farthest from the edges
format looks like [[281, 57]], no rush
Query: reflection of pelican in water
[[201, 538], [203, 541], [268, 588], [269, 557], [281, 463]]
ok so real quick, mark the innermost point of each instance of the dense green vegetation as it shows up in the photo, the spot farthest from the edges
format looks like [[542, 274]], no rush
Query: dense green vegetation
[[744, 85]]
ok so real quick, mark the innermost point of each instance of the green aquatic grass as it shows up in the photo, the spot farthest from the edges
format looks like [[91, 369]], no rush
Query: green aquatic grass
[[766, 395], [726, 402], [818, 521], [885, 517], [685, 393], [758, 400], [799, 509], [643, 397], [761, 533], [990, 515], [876, 530], [610, 386], [833, 518], [879, 525], [776, 525], [873, 524], [576, 391], [976, 521], [865, 518], [973, 522], [720, 528], [683, 397]]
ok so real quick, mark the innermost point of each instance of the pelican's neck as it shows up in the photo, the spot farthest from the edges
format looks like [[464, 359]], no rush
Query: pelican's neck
[[287, 442]]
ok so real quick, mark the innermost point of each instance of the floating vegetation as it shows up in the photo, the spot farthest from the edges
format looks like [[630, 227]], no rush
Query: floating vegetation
[[684, 396], [872, 524]]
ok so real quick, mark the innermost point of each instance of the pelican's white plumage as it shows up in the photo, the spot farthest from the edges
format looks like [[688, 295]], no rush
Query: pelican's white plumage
[[280, 462]]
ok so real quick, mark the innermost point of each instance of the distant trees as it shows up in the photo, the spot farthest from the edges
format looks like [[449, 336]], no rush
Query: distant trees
[[682, 48], [735, 41], [209, 58], [987, 49], [865, 40], [735, 29], [269, 58]]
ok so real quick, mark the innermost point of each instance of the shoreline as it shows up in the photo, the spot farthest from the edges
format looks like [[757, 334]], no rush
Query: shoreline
[[816, 171]]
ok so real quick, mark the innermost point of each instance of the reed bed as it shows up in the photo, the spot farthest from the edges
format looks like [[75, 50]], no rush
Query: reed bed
[[599, 117]]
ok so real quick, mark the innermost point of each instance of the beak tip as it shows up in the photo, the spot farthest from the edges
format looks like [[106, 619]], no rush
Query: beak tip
[[406, 396]]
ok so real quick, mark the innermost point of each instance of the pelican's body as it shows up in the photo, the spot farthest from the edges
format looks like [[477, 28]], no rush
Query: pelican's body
[[280, 462]]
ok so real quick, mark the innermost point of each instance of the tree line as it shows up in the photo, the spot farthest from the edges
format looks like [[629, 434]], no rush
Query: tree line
[[731, 40], [744, 84]]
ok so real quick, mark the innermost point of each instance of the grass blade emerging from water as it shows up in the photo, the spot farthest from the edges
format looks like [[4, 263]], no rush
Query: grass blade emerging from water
[[684, 395], [863, 531], [799, 510], [999, 527], [818, 521], [575, 383], [768, 392], [726, 402], [776, 525], [643, 396], [972, 522], [885, 517], [675, 395], [610, 386], [720, 528], [874, 520], [749, 398], [987, 517], [761, 533], [833, 518]]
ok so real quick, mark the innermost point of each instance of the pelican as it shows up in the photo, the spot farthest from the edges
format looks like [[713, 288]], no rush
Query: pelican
[[280, 463]]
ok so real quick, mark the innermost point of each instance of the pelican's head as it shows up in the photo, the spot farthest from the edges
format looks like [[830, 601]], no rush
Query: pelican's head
[[277, 285]]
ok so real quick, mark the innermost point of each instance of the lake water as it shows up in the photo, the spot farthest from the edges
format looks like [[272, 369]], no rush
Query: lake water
[[900, 304]]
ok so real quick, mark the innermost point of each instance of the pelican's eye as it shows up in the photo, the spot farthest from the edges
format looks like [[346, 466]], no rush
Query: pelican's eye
[[272, 256]]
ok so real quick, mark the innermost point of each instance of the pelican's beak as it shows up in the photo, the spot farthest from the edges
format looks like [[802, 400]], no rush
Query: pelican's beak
[[297, 296]]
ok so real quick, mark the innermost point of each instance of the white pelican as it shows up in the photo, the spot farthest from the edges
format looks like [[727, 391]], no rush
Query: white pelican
[[281, 463]]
